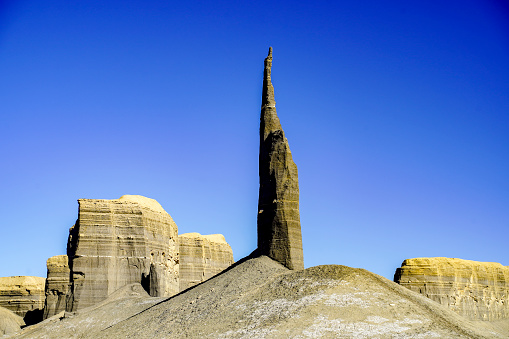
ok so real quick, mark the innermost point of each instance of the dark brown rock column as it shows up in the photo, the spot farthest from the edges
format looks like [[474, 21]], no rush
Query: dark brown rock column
[[279, 234]]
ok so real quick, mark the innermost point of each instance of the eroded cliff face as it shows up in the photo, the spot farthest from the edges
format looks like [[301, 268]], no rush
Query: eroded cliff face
[[24, 296], [201, 257], [57, 285], [475, 290], [119, 242]]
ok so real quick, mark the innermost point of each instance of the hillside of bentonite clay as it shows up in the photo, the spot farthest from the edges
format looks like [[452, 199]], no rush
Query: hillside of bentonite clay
[[10, 322], [260, 298]]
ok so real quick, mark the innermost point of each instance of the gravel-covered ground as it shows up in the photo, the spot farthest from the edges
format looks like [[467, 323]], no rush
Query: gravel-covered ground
[[259, 298]]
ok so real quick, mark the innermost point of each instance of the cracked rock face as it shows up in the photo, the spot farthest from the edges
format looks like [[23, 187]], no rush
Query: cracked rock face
[[57, 285], [475, 290], [119, 242], [202, 257], [279, 232]]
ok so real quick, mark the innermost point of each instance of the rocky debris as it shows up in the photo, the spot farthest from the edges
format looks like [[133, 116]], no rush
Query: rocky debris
[[10, 322], [475, 290], [260, 298], [119, 242], [279, 231], [24, 296], [57, 285], [201, 257], [87, 322]]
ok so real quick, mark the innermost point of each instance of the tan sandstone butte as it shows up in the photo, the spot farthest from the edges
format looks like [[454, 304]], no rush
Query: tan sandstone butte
[[23, 295], [120, 242], [475, 290], [57, 285], [279, 231], [202, 257]]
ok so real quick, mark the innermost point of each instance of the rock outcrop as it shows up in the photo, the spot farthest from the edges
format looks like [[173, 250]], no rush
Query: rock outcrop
[[24, 296], [120, 242], [57, 285], [475, 290], [279, 231], [201, 257], [10, 322]]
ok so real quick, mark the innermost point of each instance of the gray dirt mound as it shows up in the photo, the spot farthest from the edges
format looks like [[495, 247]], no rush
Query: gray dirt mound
[[121, 304], [10, 322], [259, 298]]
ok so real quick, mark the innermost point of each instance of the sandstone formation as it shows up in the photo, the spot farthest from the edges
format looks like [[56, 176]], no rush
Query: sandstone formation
[[279, 232], [260, 298], [57, 285], [475, 290], [119, 242], [24, 296], [10, 322], [201, 257]]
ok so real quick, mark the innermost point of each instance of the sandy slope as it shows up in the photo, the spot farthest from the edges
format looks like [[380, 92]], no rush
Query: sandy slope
[[10, 322], [259, 298]]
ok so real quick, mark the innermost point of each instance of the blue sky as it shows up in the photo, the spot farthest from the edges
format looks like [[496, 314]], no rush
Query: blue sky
[[397, 115]]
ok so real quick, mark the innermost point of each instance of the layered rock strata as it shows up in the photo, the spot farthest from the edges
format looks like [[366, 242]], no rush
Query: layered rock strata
[[202, 257], [57, 285], [119, 242], [24, 296], [279, 231], [475, 290]]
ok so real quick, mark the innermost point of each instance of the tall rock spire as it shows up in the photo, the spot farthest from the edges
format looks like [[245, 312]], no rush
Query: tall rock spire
[[279, 234]]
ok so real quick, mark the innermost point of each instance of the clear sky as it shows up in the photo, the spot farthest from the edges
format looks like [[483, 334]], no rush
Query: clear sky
[[397, 115]]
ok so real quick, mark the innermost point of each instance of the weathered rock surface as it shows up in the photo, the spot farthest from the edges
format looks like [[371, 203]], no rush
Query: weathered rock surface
[[260, 298], [279, 231], [24, 296], [57, 285], [475, 290], [202, 257], [119, 242], [10, 322]]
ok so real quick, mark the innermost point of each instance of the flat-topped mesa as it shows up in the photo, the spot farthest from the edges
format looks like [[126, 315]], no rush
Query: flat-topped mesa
[[120, 242], [475, 290], [279, 232]]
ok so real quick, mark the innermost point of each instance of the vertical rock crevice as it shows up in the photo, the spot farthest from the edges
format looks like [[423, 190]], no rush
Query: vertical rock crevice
[[279, 230]]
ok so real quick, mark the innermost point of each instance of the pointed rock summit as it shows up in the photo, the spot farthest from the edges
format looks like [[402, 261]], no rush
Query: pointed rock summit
[[279, 234]]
